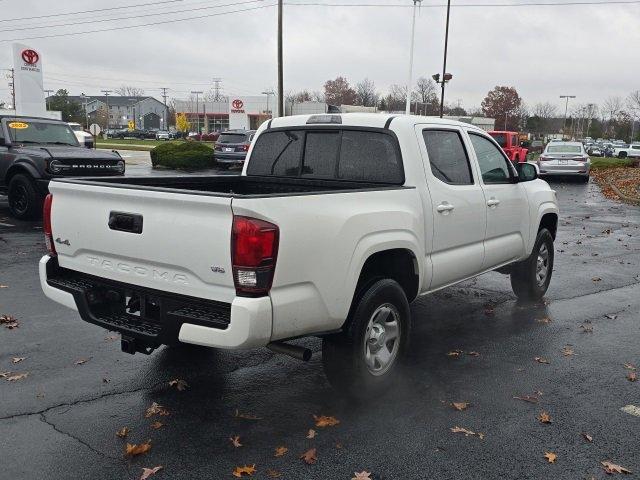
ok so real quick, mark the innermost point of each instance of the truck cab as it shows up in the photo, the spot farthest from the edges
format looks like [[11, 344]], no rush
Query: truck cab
[[511, 144]]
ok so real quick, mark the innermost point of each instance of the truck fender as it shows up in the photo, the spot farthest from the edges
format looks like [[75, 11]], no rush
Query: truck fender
[[22, 166], [378, 242], [543, 209]]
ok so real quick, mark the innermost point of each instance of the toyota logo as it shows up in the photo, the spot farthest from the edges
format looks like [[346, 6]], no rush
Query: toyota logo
[[237, 104], [30, 57]]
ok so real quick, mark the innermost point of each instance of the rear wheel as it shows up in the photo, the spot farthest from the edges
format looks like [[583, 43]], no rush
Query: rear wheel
[[622, 155], [362, 360], [531, 277], [24, 200]]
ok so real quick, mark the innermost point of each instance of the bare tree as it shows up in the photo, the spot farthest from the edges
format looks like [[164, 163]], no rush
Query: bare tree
[[366, 94], [633, 102], [129, 91], [612, 107], [545, 110], [426, 90], [317, 96]]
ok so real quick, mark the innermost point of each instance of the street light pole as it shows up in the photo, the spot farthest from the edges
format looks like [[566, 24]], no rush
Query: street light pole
[[566, 110], [106, 98], [444, 65], [280, 72], [267, 94], [409, 80]]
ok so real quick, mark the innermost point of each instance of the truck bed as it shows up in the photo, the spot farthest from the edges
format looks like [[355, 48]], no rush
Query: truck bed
[[233, 185]]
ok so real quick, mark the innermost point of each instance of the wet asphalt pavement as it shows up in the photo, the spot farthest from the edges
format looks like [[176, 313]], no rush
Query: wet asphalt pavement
[[60, 421]]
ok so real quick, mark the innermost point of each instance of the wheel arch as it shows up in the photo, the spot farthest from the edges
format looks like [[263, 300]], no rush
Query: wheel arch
[[549, 221], [21, 167]]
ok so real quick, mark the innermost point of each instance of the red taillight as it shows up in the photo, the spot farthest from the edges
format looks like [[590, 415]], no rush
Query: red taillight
[[254, 250], [46, 224], [542, 158]]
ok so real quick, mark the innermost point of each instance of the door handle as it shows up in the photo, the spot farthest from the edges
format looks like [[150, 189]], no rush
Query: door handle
[[493, 202], [444, 208]]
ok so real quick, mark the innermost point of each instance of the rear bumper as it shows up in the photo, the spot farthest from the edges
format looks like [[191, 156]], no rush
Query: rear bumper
[[553, 168], [230, 157], [164, 317]]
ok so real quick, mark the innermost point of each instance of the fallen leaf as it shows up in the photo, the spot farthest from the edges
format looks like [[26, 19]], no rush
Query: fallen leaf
[[156, 425], [454, 353], [631, 376], [460, 405], [550, 456], [567, 351], [311, 433], [19, 376], [528, 398], [630, 366], [544, 417], [631, 410], [123, 432], [309, 456], [9, 321], [362, 476], [338, 445], [611, 316], [147, 472], [323, 421], [613, 468], [180, 385], [235, 441], [544, 320], [4, 374], [596, 279], [4, 286], [586, 328], [542, 360], [82, 361], [466, 432], [587, 437], [246, 416], [280, 451], [17, 359], [155, 409], [473, 354], [273, 473], [489, 310], [132, 449], [247, 469]]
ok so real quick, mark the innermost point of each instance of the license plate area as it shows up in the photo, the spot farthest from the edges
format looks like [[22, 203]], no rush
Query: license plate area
[[563, 162], [229, 149]]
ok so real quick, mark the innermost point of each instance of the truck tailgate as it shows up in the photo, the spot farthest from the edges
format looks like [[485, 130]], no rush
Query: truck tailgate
[[183, 245]]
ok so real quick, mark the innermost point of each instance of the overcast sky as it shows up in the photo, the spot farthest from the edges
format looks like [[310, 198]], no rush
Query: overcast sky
[[544, 51]]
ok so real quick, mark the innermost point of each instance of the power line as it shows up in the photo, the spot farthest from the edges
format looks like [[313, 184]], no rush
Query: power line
[[125, 27], [471, 5], [90, 11], [113, 19]]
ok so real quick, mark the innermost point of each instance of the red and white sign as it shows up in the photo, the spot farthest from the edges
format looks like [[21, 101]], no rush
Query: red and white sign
[[237, 104], [30, 56]]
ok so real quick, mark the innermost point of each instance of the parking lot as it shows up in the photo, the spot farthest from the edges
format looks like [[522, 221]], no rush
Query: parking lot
[[571, 356]]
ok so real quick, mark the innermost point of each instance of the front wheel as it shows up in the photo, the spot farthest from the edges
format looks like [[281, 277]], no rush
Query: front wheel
[[362, 360], [622, 155], [25, 202], [531, 277]]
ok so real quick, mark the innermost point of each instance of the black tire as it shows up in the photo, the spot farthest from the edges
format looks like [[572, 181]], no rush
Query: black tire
[[584, 179], [25, 202], [344, 354], [525, 280], [622, 155]]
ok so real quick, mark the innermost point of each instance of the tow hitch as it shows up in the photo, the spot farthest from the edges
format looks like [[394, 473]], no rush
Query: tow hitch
[[131, 345]]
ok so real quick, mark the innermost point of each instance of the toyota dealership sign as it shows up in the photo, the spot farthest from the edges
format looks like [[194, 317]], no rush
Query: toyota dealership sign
[[27, 64]]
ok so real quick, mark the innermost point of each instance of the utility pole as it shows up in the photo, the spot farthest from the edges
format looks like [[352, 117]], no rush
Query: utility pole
[[13, 88], [106, 98], [196, 93], [280, 74], [566, 109], [166, 111], [48, 92], [409, 80], [216, 88], [444, 65], [267, 93]]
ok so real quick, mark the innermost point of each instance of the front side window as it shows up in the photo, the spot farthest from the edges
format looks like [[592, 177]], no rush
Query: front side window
[[448, 157], [493, 165]]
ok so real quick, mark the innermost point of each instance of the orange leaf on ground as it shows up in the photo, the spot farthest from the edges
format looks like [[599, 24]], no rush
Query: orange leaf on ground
[[310, 456], [235, 441], [466, 432], [541, 360], [630, 366], [155, 409], [567, 351], [460, 405], [587, 437], [156, 425], [324, 421], [613, 468], [280, 451], [550, 456], [248, 470], [362, 475], [544, 417], [273, 473], [123, 432], [631, 376], [180, 384], [19, 376], [246, 416], [311, 433], [17, 359], [147, 472], [454, 353], [132, 449]]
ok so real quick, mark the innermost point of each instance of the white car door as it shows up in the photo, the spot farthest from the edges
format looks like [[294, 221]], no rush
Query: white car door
[[506, 203], [457, 202]]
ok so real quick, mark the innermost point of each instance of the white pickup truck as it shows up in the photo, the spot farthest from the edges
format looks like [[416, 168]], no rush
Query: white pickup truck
[[336, 223]]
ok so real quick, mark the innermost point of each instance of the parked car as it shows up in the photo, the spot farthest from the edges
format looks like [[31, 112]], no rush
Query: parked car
[[336, 224], [565, 158], [165, 135], [510, 143], [36, 150], [84, 138], [627, 151], [232, 147], [595, 151]]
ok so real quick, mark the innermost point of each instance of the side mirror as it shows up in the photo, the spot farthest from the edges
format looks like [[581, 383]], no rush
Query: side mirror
[[527, 171]]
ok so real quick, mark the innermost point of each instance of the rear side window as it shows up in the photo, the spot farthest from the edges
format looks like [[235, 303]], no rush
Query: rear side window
[[448, 157], [355, 155], [277, 153]]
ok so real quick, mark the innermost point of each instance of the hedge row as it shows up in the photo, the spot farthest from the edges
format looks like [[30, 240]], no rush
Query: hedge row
[[184, 155]]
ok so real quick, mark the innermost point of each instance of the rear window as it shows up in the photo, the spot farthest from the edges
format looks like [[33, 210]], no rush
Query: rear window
[[500, 138], [355, 155], [565, 149], [232, 138]]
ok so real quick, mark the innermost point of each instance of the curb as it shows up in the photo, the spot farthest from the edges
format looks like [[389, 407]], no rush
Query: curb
[[622, 195]]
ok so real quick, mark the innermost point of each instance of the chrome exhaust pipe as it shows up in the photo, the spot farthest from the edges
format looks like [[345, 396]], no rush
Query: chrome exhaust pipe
[[300, 353]]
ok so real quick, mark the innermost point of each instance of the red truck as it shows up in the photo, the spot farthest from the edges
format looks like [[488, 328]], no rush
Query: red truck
[[510, 143]]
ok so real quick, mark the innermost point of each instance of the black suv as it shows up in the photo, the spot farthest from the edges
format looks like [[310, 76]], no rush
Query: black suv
[[35, 150], [232, 147]]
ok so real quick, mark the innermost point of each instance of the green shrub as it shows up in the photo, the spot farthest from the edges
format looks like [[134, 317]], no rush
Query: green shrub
[[611, 162], [184, 156]]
